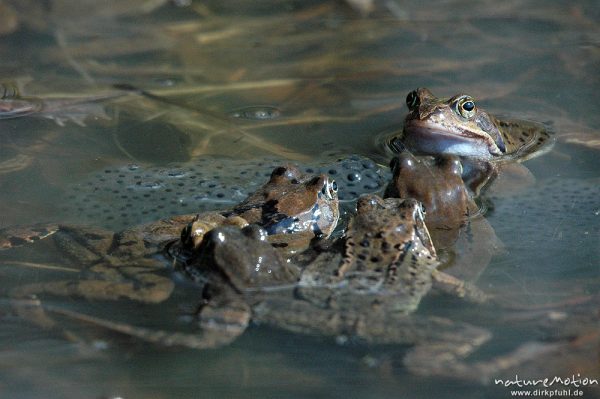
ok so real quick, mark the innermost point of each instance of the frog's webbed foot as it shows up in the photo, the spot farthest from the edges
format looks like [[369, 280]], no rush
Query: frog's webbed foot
[[79, 242], [441, 360], [38, 313], [451, 285]]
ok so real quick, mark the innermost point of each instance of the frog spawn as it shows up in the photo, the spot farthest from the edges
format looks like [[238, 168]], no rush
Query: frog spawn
[[120, 197], [559, 217]]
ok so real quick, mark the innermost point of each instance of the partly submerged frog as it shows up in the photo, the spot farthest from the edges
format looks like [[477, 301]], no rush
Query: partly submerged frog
[[367, 292], [127, 264], [293, 207], [437, 183], [452, 216], [458, 126]]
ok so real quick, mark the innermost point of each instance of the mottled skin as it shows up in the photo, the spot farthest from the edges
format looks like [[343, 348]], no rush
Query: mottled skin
[[291, 205], [386, 266], [387, 263], [129, 265], [368, 292], [457, 126]]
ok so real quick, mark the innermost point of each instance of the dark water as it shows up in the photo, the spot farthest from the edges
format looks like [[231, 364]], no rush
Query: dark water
[[316, 81]]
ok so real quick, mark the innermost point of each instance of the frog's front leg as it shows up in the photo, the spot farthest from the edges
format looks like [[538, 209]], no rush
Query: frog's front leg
[[224, 315]]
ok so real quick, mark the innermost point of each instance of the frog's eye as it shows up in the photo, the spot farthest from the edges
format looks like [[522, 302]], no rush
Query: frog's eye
[[465, 107], [329, 189], [412, 100]]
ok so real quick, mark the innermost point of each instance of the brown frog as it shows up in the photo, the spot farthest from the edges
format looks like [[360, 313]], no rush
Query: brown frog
[[457, 126], [125, 265], [453, 218], [437, 183], [293, 208], [370, 291]]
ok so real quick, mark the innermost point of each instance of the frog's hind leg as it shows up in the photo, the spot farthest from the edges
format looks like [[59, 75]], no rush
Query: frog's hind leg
[[441, 360]]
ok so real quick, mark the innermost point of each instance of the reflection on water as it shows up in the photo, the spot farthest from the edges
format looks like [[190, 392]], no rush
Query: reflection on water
[[305, 82]]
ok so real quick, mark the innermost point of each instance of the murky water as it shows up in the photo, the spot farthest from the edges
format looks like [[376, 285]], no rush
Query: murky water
[[310, 82]]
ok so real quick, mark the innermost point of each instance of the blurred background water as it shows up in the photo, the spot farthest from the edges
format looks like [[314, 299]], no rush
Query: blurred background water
[[301, 81]]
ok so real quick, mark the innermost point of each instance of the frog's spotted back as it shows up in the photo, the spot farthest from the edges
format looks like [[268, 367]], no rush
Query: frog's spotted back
[[524, 139]]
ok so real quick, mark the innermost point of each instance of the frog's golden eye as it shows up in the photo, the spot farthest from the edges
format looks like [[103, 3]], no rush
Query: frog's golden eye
[[465, 107], [412, 100]]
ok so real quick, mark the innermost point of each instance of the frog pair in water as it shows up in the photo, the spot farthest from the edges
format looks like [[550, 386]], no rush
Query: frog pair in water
[[366, 285]]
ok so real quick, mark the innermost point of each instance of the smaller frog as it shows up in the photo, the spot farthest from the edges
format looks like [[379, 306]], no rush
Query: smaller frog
[[457, 126], [464, 238], [438, 184], [292, 207], [388, 260]]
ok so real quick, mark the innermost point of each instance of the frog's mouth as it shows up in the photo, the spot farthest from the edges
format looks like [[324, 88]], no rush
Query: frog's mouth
[[425, 137]]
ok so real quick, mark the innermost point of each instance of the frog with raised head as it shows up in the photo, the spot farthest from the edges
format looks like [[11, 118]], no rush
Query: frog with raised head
[[458, 126]]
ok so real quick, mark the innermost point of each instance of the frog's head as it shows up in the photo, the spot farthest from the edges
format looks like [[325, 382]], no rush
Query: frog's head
[[292, 202], [450, 126]]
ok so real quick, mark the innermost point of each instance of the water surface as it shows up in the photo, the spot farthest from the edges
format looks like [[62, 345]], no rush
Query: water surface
[[337, 79]]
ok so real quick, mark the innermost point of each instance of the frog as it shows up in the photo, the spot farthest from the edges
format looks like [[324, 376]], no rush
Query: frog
[[435, 181], [459, 230], [133, 264], [293, 207], [369, 292], [458, 126]]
